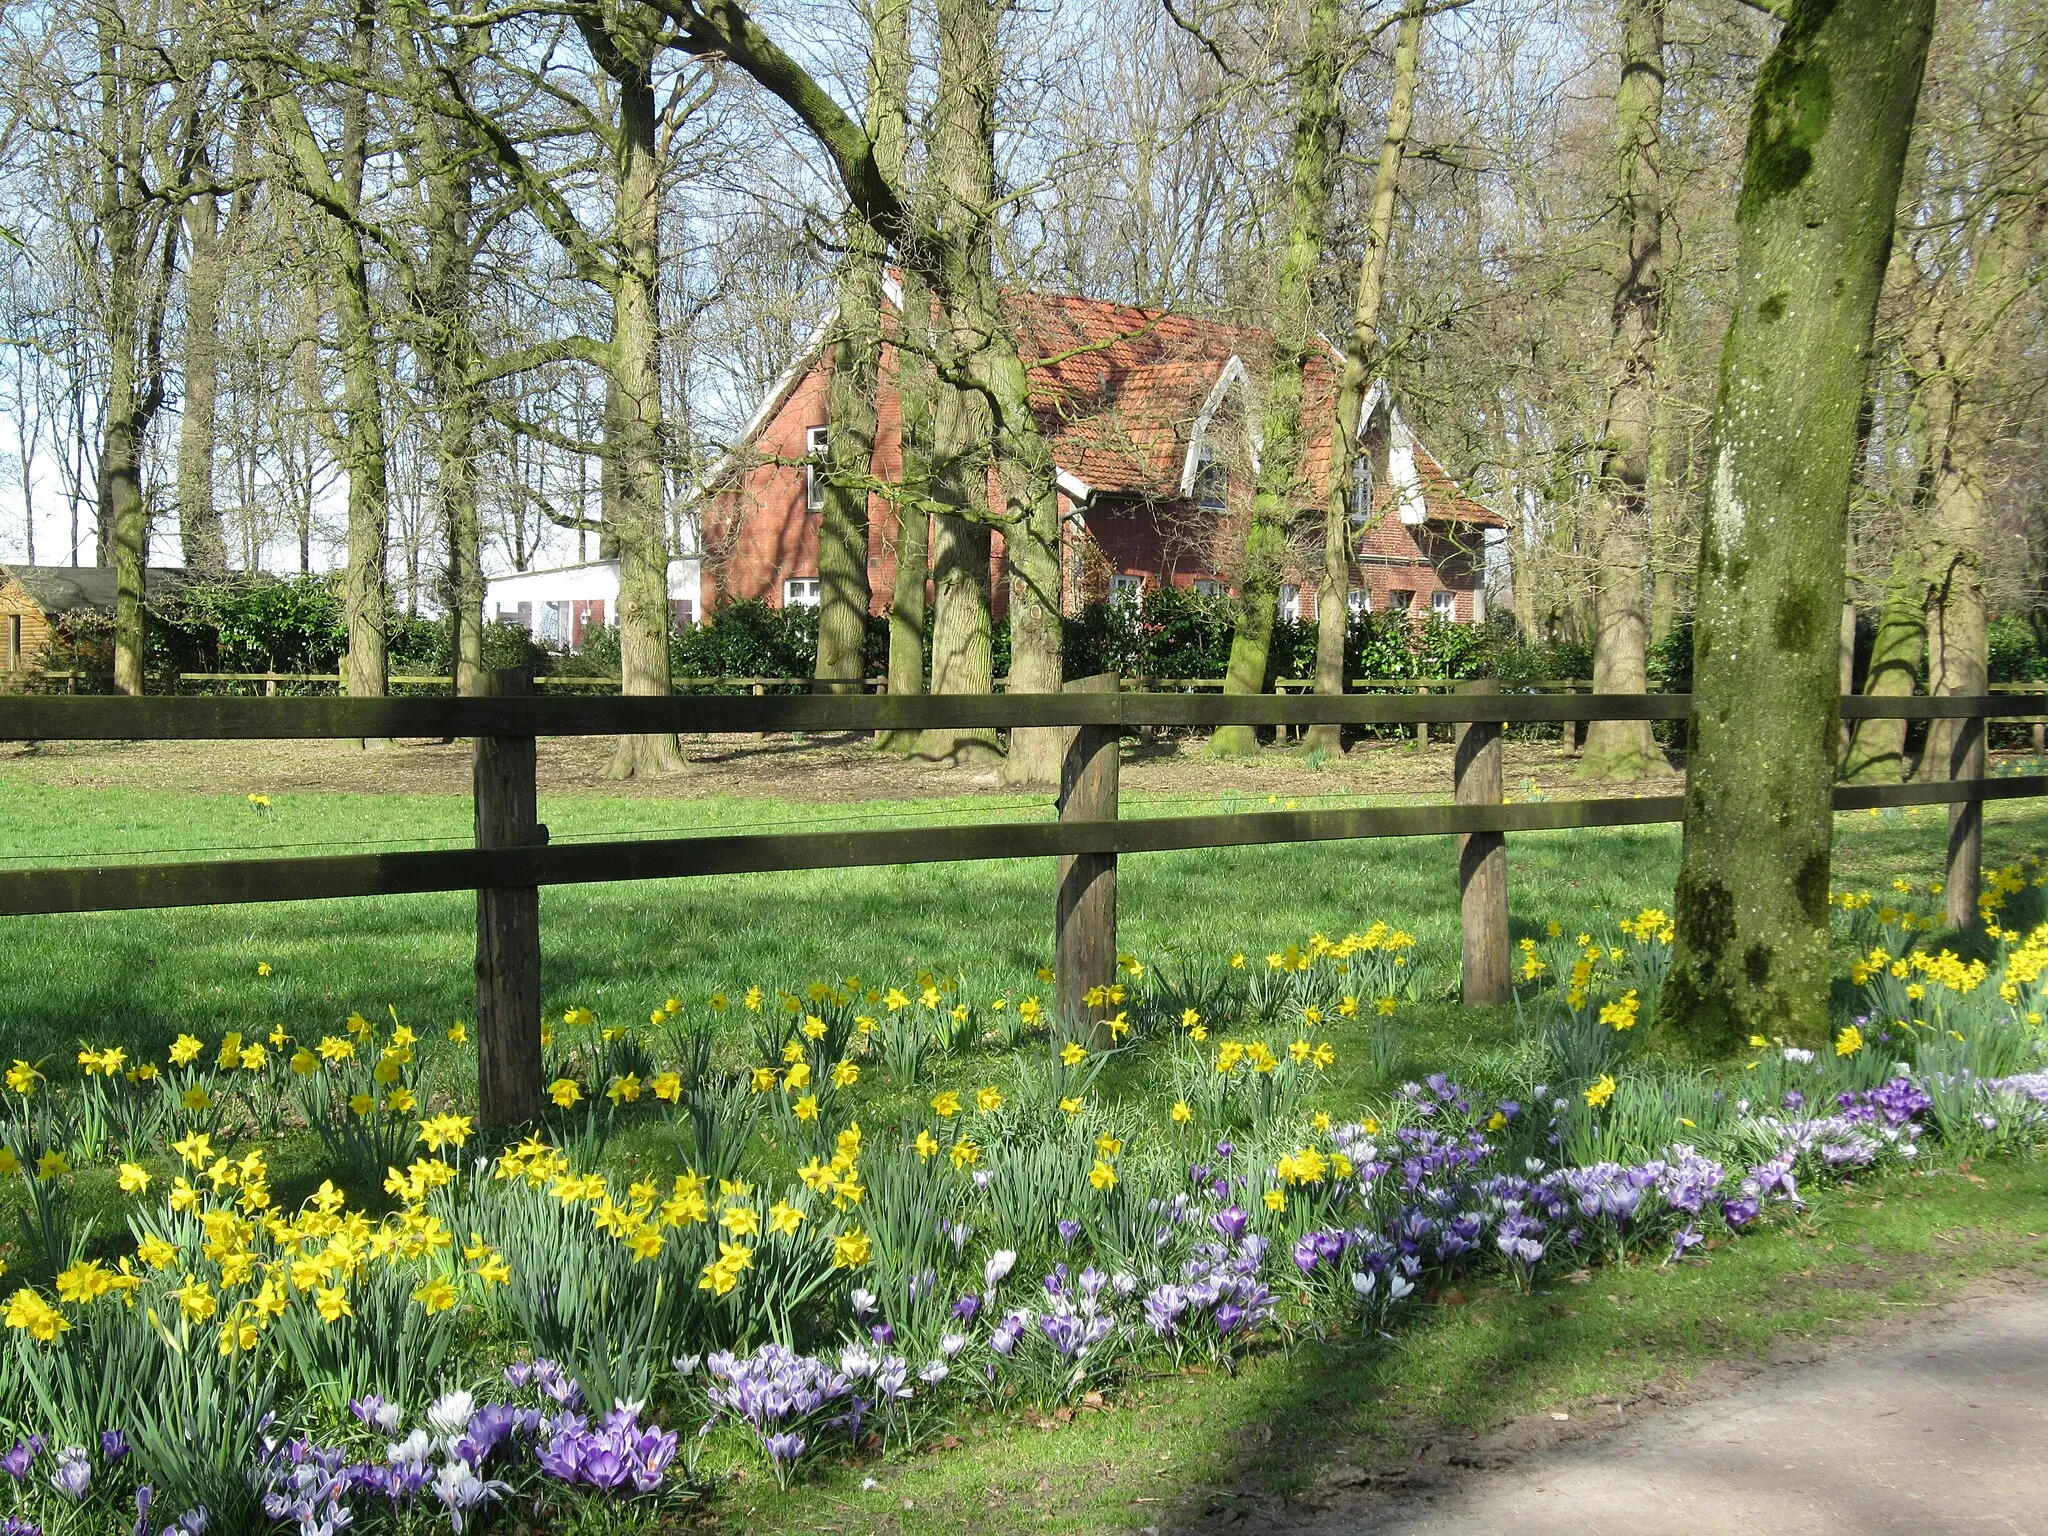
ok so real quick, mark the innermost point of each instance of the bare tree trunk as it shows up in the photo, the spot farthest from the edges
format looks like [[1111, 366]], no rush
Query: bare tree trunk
[[962, 656], [637, 520], [1958, 431], [199, 525], [1273, 501], [365, 590], [338, 193], [1361, 357], [1877, 748], [843, 591], [1625, 749], [916, 394], [1827, 142], [133, 327], [446, 325]]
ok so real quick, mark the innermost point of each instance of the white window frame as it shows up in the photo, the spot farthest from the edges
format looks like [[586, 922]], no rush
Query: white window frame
[[800, 592], [1395, 603], [817, 442], [1208, 588], [1358, 602], [1126, 589], [1290, 602], [1444, 605]]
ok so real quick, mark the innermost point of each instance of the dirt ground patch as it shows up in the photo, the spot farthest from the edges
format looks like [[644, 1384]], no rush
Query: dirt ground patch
[[824, 769]]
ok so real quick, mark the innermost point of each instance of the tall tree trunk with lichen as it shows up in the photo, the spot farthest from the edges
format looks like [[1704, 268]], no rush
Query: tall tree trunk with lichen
[[1827, 139], [200, 535], [962, 653], [1625, 749], [1957, 430], [917, 400], [996, 395], [132, 326], [365, 592], [1877, 748], [1311, 178], [1361, 357], [624, 42], [843, 590], [449, 343]]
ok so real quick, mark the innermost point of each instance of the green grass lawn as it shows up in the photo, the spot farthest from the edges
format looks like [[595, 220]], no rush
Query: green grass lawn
[[619, 949]]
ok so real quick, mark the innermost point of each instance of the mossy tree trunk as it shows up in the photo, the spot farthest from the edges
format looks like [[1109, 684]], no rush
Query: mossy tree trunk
[[135, 235], [844, 593], [917, 397], [624, 45], [1877, 748], [202, 540], [1311, 176], [337, 191], [1948, 352], [1361, 358], [1625, 749], [1827, 139]]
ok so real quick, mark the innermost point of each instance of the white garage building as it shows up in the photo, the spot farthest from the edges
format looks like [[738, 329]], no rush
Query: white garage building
[[559, 607]]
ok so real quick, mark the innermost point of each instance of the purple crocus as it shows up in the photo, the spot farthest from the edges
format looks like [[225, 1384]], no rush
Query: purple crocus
[[1069, 1229], [21, 1457], [74, 1473]]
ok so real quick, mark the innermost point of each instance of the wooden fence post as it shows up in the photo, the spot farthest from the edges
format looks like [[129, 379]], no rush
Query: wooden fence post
[[1965, 826], [1085, 944], [1421, 726], [508, 1053], [1482, 861]]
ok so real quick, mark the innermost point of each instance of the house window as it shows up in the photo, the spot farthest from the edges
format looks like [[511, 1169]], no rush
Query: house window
[[1126, 589], [1403, 599], [682, 612], [801, 593], [816, 441], [1212, 484], [1444, 605], [1358, 601], [1361, 489], [1290, 603], [1208, 589], [550, 632]]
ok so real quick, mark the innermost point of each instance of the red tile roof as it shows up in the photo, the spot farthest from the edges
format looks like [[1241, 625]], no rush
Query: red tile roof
[[1119, 389]]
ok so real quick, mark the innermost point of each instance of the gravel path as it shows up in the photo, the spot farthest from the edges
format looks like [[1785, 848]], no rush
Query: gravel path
[[1939, 1427]]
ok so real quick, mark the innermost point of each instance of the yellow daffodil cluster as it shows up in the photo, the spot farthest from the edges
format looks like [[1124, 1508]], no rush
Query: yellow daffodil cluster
[[240, 1263], [1621, 1013], [1649, 926]]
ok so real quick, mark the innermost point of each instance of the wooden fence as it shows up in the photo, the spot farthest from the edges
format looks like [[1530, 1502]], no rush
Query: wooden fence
[[512, 858]]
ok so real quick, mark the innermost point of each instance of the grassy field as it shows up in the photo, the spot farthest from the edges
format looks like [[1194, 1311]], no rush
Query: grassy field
[[622, 948]]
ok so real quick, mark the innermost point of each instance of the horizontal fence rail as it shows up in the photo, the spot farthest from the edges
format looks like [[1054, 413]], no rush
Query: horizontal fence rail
[[514, 858], [96, 718], [132, 887]]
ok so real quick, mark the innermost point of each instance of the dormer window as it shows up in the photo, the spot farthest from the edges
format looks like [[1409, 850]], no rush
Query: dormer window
[[816, 441], [1212, 483]]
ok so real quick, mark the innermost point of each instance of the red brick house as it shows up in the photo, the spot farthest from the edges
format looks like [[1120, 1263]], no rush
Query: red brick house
[[1152, 419]]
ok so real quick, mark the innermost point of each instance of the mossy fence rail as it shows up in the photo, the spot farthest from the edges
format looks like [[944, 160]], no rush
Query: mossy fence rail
[[512, 858]]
